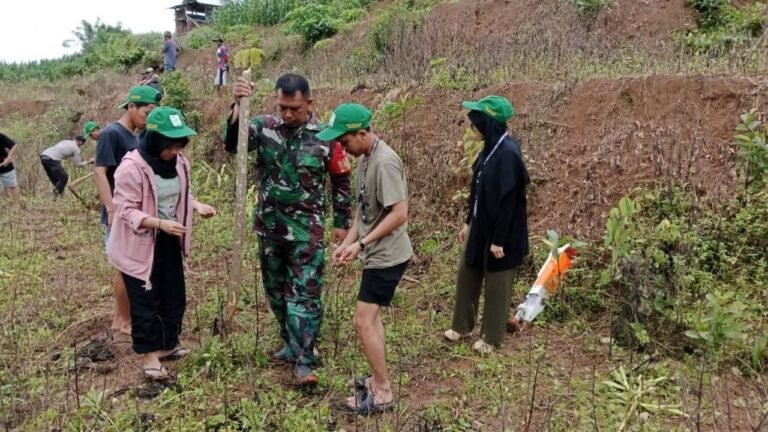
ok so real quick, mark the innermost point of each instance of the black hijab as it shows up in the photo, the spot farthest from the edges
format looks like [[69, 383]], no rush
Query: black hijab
[[150, 146], [491, 129]]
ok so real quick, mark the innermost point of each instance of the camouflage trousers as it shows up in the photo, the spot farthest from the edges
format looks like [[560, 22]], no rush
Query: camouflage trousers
[[292, 272]]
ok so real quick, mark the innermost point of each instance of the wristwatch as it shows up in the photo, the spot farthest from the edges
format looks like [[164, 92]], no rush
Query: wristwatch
[[361, 244]]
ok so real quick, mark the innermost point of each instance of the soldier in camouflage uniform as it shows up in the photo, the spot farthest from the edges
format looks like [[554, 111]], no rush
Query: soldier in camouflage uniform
[[291, 167]]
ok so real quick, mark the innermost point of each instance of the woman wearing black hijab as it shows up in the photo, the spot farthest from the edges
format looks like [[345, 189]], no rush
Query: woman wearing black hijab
[[496, 228], [150, 237]]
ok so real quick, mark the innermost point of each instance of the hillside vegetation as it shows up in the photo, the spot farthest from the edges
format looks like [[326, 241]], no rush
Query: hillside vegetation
[[643, 127]]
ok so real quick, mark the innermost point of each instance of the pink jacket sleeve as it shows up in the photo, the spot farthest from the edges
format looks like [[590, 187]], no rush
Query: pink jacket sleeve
[[129, 196]]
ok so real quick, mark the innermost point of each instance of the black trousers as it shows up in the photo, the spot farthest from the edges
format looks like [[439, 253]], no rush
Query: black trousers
[[56, 173], [156, 314]]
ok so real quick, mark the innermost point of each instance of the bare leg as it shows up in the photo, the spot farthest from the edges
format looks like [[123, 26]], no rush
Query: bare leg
[[15, 193], [122, 320], [371, 332]]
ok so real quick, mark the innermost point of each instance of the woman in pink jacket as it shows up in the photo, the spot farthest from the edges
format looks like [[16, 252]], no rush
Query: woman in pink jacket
[[151, 236]]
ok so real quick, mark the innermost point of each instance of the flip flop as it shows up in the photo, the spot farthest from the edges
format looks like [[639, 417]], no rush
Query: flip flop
[[163, 376], [176, 354], [367, 406], [359, 382]]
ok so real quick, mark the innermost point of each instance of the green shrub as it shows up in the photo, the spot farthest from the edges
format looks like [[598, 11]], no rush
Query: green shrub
[[723, 27], [199, 38], [710, 11], [313, 22], [177, 90], [120, 51]]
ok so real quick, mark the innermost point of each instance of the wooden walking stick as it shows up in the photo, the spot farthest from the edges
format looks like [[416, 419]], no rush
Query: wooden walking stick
[[240, 198]]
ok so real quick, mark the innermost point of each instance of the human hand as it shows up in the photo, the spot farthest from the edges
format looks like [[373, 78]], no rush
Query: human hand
[[172, 227], [463, 233], [242, 88], [337, 254], [205, 210], [338, 235], [349, 253], [497, 251]]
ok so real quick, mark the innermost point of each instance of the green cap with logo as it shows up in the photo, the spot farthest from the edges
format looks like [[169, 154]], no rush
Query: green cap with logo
[[168, 121], [348, 117], [496, 107], [142, 94], [89, 127]]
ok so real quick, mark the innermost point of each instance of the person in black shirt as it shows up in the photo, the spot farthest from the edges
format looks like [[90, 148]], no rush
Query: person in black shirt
[[496, 227], [7, 171], [114, 142]]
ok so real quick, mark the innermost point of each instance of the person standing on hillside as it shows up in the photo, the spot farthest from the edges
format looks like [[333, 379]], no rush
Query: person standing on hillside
[[379, 232], [222, 64], [151, 233], [151, 79], [115, 141], [170, 50], [7, 170], [51, 160], [92, 130], [291, 167], [495, 232]]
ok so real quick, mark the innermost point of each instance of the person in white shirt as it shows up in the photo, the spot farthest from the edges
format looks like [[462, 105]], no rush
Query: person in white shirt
[[51, 159]]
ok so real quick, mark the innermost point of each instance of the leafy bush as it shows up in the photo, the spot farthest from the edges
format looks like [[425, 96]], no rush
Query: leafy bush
[[199, 38], [723, 27], [120, 51], [177, 90], [753, 150], [315, 21], [710, 11]]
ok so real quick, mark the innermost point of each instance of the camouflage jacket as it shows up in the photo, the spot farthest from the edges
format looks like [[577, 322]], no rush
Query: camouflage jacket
[[291, 173]]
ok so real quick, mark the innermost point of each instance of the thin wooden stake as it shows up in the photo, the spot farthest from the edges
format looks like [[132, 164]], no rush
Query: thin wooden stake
[[240, 198]]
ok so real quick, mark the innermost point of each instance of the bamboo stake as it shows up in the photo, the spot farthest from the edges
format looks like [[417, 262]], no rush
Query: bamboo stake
[[241, 192]]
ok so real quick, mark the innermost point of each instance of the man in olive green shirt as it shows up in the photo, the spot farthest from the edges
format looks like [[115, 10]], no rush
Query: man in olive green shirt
[[380, 233]]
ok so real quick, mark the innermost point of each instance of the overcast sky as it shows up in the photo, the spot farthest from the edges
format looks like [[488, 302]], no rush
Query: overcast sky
[[35, 29]]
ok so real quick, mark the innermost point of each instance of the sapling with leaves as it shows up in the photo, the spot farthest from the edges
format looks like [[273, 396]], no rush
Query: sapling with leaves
[[753, 151]]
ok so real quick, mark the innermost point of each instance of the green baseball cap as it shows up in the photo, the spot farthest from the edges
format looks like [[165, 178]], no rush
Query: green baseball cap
[[142, 94], [348, 117], [169, 121], [89, 127], [496, 107]]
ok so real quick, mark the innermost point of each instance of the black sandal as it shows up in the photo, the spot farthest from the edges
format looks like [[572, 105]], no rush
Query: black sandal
[[365, 404]]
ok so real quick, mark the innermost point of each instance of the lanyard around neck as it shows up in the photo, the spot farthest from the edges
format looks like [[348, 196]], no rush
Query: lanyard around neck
[[480, 172], [366, 161]]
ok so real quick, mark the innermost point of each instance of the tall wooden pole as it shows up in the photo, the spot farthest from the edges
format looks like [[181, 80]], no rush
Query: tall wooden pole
[[240, 198]]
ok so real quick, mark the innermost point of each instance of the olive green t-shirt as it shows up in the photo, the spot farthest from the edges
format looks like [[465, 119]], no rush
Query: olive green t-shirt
[[385, 186]]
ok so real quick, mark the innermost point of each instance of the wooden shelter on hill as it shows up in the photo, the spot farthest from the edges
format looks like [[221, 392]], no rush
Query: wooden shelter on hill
[[191, 14]]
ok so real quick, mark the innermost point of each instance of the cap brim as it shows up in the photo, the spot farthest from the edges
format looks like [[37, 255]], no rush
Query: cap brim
[[186, 131], [472, 106], [329, 134]]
